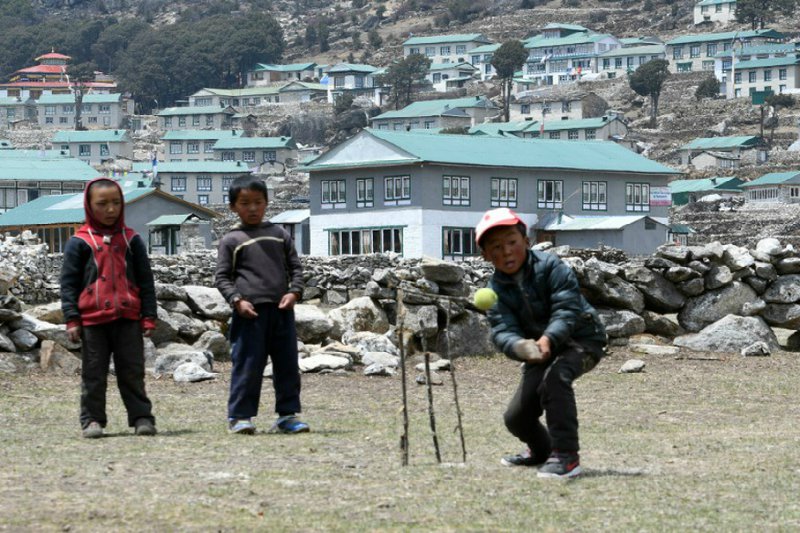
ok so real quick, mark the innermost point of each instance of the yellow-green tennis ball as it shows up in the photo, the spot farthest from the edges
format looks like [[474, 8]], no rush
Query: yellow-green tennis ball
[[485, 298]]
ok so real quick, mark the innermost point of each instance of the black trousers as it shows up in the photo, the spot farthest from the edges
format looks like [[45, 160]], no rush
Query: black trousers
[[123, 340], [547, 388], [272, 334]]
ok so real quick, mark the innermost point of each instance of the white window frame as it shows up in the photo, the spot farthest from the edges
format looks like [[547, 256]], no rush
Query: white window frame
[[637, 197], [397, 190], [333, 194], [365, 192], [550, 194], [456, 190], [504, 192], [594, 195]]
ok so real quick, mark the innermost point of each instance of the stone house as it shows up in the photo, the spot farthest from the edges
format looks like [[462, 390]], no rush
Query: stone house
[[95, 146], [775, 187], [193, 145], [421, 195], [715, 159], [689, 191], [15, 110], [55, 218], [429, 114], [269, 74], [623, 61], [732, 147], [302, 91], [196, 117], [557, 105], [198, 182], [448, 76], [98, 111], [633, 234], [692, 53], [445, 48], [720, 11], [239, 98], [261, 154], [28, 174]]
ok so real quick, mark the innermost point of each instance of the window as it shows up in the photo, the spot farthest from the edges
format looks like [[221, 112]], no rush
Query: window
[[104, 149], [550, 194], [383, 126], [637, 197], [106, 121], [794, 192], [176, 147], [458, 242], [711, 50], [84, 150], [737, 78], [365, 192], [270, 155], [226, 183], [167, 122], [178, 184], [359, 82], [617, 62], [181, 122], [86, 108], [333, 194], [68, 109], [206, 100], [202, 199], [208, 147], [768, 194], [429, 124], [397, 190], [737, 93], [249, 156], [209, 120], [677, 52], [594, 196], [192, 147], [768, 75], [229, 156], [781, 74], [476, 59], [92, 120], [684, 67], [461, 49], [751, 76], [365, 241], [708, 65], [606, 63], [566, 107], [572, 135], [444, 51], [397, 126], [437, 77], [413, 50], [104, 109], [525, 109], [204, 184], [455, 190], [629, 62], [195, 120], [430, 51], [338, 82], [63, 120], [48, 120], [591, 134], [504, 192], [718, 8], [51, 109], [694, 50], [555, 134], [781, 89]]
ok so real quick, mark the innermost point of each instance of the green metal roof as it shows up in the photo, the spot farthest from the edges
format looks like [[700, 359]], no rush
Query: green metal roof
[[435, 108], [577, 124], [304, 85], [201, 135], [485, 49], [13, 101], [707, 184], [494, 128], [639, 41], [193, 110], [714, 143], [775, 48], [559, 26], [195, 167], [170, 220], [648, 49], [33, 154], [713, 2], [445, 39], [576, 38], [55, 99], [452, 66], [768, 62], [91, 136], [293, 67], [773, 178], [488, 151], [238, 143], [725, 36], [351, 67], [237, 93], [55, 169]]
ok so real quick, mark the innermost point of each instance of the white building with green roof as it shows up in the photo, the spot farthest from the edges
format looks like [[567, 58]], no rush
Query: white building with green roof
[[448, 76], [715, 11], [447, 113], [421, 195], [193, 145], [623, 61], [28, 174], [454, 48], [481, 58], [95, 146], [262, 154], [201, 182], [775, 187], [16, 109], [264, 74], [692, 53], [106, 111], [771, 75], [197, 117], [722, 152], [357, 80]]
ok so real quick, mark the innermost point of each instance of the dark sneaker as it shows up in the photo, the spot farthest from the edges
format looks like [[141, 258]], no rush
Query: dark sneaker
[[93, 431], [242, 426], [145, 427], [524, 458], [289, 424], [561, 465]]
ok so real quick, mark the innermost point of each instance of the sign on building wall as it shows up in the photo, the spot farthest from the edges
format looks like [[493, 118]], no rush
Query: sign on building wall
[[660, 196]]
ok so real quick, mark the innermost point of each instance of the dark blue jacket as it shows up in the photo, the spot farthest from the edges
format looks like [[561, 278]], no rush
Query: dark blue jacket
[[547, 301]]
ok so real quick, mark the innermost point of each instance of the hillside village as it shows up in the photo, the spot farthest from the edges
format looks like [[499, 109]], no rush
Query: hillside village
[[351, 171]]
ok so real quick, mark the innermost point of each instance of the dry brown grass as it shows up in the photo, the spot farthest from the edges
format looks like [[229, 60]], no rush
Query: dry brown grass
[[687, 445]]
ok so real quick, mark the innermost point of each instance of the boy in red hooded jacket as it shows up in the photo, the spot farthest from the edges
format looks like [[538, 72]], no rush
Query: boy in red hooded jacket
[[109, 302]]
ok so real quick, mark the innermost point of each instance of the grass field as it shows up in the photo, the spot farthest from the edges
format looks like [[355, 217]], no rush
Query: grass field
[[689, 444]]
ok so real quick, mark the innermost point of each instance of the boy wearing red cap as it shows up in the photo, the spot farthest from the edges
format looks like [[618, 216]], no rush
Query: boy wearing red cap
[[542, 319], [109, 302]]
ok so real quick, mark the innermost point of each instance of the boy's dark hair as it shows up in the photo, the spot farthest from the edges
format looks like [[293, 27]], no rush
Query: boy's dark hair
[[99, 184], [519, 225], [245, 182]]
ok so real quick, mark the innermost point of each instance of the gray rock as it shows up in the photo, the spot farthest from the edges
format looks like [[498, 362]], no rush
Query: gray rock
[[374, 290], [607, 270], [713, 305], [660, 262], [16, 363], [784, 290], [632, 366], [176, 306], [322, 361], [793, 342], [745, 272], [769, 246], [215, 343], [55, 359], [782, 315], [313, 325], [367, 341], [382, 358], [757, 284], [658, 324], [729, 334], [45, 331], [311, 293], [207, 302], [191, 373], [692, 287], [680, 273], [437, 366], [621, 323], [788, 265], [361, 314], [676, 253], [699, 266], [653, 349], [756, 349], [737, 258], [436, 379], [168, 291], [6, 344], [762, 257], [173, 355], [353, 353], [377, 369], [48, 313], [766, 271], [441, 271], [334, 297], [9, 315], [189, 329], [469, 334], [753, 308], [24, 340], [718, 276], [10, 303], [613, 291], [422, 320], [385, 277], [166, 330], [659, 294], [150, 352], [426, 285]]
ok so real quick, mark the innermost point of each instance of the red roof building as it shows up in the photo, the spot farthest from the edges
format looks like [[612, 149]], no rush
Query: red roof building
[[50, 75]]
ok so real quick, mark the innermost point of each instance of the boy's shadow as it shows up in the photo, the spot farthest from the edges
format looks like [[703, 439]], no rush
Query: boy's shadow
[[161, 433], [613, 472]]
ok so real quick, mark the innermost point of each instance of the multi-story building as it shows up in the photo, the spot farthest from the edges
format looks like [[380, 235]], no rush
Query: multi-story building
[[723, 152], [429, 114], [201, 182], [28, 174], [95, 146], [193, 145], [421, 195], [98, 111], [196, 117], [448, 76], [691, 53], [481, 58], [357, 80], [720, 11], [445, 48], [16, 109], [568, 103], [776, 187], [50, 76], [772, 75], [261, 154], [269, 74], [623, 61], [723, 61]]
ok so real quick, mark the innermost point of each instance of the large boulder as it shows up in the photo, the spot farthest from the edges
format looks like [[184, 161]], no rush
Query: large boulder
[[23, 339], [166, 329], [214, 342], [368, 341], [189, 329], [611, 290], [707, 308], [784, 290], [359, 314], [168, 291], [45, 331], [658, 324], [207, 302], [173, 355], [313, 326], [659, 294], [788, 265], [621, 322], [6, 344], [421, 320], [469, 334], [322, 361], [737, 258], [730, 334], [48, 312], [191, 373], [782, 315], [54, 358], [440, 271]]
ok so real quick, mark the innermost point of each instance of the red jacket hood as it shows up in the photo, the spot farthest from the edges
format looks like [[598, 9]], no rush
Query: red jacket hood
[[91, 222]]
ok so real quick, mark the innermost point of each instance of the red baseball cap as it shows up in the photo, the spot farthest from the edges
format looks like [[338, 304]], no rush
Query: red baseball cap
[[502, 216]]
